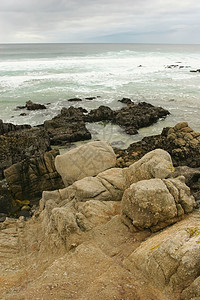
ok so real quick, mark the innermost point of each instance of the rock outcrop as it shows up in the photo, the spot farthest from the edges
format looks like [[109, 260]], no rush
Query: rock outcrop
[[30, 177], [170, 260], [180, 141], [7, 127], [21, 144], [80, 230], [86, 160], [131, 117], [67, 127]]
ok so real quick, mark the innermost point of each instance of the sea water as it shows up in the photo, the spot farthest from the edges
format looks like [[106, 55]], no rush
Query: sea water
[[50, 74]]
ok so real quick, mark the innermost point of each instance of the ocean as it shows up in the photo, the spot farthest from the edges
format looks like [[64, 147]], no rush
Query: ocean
[[50, 74]]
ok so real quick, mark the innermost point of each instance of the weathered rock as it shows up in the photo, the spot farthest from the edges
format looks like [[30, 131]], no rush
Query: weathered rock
[[86, 160], [156, 203], [102, 113], [155, 164], [21, 144], [138, 115], [131, 117], [170, 260], [182, 143], [34, 106], [30, 177], [6, 200], [7, 127], [68, 126]]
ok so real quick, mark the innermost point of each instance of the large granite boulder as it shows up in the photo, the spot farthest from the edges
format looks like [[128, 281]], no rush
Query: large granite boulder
[[156, 203], [155, 164], [86, 160], [30, 177], [21, 144], [66, 127], [170, 261]]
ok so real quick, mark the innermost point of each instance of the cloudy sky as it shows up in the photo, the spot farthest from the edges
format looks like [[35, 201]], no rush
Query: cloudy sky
[[123, 21]]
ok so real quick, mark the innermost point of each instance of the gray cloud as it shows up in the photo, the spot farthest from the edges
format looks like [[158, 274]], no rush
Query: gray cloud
[[169, 21]]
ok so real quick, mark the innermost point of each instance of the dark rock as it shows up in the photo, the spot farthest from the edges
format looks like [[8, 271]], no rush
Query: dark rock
[[7, 127], [126, 101], [25, 214], [192, 177], [138, 115], [195, 71], [34, 106], [6, 200], [90, 98], [2, 217], [182, 143], [68, 126], [30, 177], [83, 110], [21, 144], [103, 113], [23, 114], [74, 100], [131, 130]]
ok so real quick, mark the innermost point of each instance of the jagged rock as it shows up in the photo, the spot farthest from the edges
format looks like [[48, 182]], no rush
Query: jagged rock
[[68, 126], [6, 199], [126, 101], [21, 144], [180, 141], [138, 115], [131, 117], [30, 177], [156, 203], [34, 106], [102, 113], [86, 160], [7, 127], [170, 261]]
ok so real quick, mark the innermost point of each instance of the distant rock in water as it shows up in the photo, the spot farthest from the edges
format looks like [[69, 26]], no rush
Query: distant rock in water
[[74, 100], [34, 106], [126, 101]]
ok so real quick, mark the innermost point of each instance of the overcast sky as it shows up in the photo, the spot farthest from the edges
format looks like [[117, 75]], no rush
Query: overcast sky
[[123, 21]]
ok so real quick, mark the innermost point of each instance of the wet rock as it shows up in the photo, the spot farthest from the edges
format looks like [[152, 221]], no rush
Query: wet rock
[[74, 100], [68, 126], [21, 144], [126, 101], [6, 200], [30, 177], [8, 127], [90, 98], [103, 113], [86, 160], [195, 71], [34, 106]]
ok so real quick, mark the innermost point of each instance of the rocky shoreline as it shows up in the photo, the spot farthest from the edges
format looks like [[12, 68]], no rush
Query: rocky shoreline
[[97, 222]]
